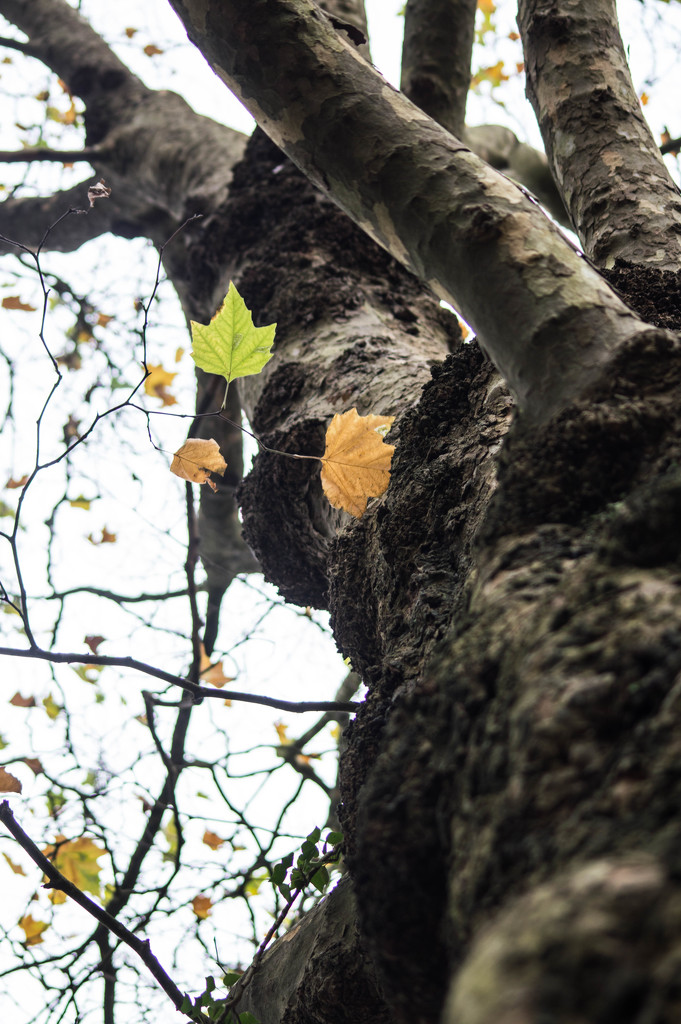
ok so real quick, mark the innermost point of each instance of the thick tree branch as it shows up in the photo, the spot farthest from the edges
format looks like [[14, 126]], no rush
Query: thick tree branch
[[621, 199], [26, 219], [70, 47], [436, 58], [503, 150], [465, 230], [347, 15], [163, 161]]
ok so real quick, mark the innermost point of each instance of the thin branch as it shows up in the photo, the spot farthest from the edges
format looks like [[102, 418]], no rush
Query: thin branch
[[33, 154], [111, 595], [17, 44], [671, 146], [58, 881], [296, 707]]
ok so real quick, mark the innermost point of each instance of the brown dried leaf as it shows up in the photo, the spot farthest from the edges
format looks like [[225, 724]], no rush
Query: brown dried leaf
[[8, 782], [197, 459], [202, 906], [13, 485], [356, 463], [100, 190], [213, 840], [22, 702], [14, 302]]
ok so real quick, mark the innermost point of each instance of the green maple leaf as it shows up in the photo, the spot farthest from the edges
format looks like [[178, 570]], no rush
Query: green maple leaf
[[230, 345]]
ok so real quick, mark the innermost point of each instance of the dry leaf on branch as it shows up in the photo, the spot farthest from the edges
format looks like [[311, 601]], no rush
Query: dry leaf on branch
[[356, 463], [33, 930], [98, 191], [213, 840], [202, 907], [8, 782], [197, 459]]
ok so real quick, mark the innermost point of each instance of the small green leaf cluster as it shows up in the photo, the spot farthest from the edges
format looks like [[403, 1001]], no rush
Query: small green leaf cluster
[[206, 1008], [310, 867]]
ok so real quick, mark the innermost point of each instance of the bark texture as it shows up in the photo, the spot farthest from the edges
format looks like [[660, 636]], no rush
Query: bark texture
[[622, 202], [530, 750], [436, 58]]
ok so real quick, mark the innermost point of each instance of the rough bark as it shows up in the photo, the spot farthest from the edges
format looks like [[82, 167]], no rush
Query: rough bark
[[319, 971], [535, 733], [502, 149], [354, 330], [621, 199]]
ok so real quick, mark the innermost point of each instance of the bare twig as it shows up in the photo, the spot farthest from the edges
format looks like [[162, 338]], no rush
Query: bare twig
[[34, 154], [67, 658]]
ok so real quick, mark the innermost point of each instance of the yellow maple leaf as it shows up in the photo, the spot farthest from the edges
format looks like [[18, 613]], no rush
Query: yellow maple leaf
[[356, 463], [16, 868], [172, 839], [157, 381], [213, 840], [197, 459], [8, 783], [76, 859], [213, 673], [51, 706], [33, 930], [281, 733], [80, 502], [494, 74], [202, 907]]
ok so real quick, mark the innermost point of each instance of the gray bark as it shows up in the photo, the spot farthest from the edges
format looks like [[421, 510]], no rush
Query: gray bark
[[436, 58], [621, 199]]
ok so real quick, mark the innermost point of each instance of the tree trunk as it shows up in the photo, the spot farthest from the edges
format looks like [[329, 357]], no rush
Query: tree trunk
[[510, 787]]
